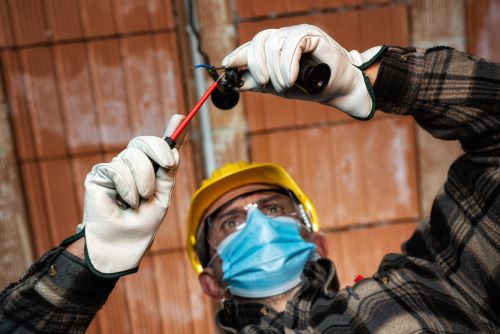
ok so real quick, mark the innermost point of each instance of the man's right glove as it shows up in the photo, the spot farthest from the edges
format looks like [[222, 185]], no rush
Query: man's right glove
[[116, 239], [273, 56]]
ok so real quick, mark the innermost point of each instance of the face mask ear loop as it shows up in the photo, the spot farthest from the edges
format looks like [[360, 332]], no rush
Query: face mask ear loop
[[220, 279], [209, 264]]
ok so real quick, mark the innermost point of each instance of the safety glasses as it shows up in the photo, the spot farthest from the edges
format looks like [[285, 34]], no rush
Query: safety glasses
[[232, 215]]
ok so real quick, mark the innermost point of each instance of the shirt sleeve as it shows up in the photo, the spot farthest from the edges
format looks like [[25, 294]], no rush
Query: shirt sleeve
[[455, 96], [57, 294]]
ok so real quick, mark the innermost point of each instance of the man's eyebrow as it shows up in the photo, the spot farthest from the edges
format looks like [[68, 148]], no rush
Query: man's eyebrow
[[270, 198]]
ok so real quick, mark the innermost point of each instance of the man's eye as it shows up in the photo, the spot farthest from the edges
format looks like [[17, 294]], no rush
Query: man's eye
[[229, 224], [274, 210]]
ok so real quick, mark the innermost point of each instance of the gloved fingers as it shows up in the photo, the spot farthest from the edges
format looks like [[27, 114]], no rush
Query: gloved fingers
[[165, 182], [116, 176], [273, 49], [156, 149], [256, 57], [250, 84], [173, 124], [301, 39], [237, 58], [141, 169]]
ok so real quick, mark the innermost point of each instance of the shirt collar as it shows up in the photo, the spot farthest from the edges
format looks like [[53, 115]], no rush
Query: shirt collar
[[319, 275]]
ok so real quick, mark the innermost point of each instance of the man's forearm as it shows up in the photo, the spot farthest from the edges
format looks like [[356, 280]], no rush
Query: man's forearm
[[57, 293], [445, 90]]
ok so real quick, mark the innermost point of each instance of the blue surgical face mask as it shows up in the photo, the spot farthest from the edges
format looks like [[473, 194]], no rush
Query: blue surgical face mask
[[265, 257]]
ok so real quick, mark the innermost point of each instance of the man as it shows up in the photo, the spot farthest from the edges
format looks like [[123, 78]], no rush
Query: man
[[252, 231]]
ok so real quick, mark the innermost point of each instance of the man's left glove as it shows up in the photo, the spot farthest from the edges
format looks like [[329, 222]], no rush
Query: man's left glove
[[116, 239]]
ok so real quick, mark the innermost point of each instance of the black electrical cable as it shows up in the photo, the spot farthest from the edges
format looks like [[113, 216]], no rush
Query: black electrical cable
[[204, 55]]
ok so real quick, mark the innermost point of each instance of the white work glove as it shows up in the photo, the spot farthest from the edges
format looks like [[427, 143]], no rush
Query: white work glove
[[273, 56], [116, 239]]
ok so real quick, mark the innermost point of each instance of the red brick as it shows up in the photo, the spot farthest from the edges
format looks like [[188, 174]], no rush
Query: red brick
[[40, 229], [109, 93], [59, 198], [169, 75], [6, 37], [43, 104], [161, 14], [98, 17], [75, 89], [131, 15], [63, 19], [482, 29], [188, 314], [142, 299], [27, 21], [114, 317], [16, 95], [80, 167], [386, 25], [142, 84]]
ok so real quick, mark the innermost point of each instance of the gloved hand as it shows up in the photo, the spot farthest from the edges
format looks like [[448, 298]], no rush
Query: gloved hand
[[116, 239], [273, 56]]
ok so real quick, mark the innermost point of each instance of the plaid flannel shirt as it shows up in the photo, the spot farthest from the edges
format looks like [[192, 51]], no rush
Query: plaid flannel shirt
[[447, 279]]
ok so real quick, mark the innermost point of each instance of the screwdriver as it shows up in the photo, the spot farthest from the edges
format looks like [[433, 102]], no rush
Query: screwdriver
[[178, 131], [312, 79]]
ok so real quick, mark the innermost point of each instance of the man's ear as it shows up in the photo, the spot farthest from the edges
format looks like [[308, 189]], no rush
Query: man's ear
[[321, 243], [209, 284]]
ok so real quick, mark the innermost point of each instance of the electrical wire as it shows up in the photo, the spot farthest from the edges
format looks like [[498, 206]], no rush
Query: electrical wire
[[208, 67], [196, 33]]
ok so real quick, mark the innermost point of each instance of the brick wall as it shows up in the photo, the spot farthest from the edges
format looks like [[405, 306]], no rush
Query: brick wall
[[82, 78]]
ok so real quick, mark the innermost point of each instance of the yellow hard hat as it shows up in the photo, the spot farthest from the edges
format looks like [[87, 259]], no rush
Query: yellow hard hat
[[229, 177]]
